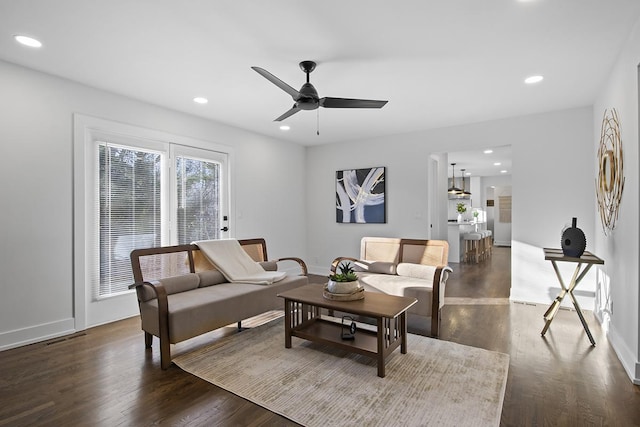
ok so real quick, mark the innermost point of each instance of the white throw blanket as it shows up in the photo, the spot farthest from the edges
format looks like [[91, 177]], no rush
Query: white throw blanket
[[235, 264]]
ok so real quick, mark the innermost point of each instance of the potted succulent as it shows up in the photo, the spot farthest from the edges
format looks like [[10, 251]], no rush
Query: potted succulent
[[345, 281]]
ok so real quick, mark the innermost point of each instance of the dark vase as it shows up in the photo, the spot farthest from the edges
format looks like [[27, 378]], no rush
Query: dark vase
[[573, 240]]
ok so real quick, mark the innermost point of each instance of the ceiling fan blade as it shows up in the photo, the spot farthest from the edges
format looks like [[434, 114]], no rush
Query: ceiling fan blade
[[289, 113], [328, 102], [276, 81]]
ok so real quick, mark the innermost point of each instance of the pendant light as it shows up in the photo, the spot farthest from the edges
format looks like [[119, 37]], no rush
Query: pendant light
[[453, 189], [464, 193]]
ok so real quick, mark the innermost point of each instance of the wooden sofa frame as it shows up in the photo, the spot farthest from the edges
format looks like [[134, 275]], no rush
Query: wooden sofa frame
[[256, 248]]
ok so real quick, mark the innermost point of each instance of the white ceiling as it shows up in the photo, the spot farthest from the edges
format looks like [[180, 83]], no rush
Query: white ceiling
[[439, 63], [479, 163]]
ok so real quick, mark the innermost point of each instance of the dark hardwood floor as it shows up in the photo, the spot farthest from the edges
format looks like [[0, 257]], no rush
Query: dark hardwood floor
[[104, 376]]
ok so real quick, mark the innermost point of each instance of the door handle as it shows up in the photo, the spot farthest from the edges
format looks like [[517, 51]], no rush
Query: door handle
[[225, 228]]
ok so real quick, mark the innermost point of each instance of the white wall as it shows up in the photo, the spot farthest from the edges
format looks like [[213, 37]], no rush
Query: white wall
[[406, 195], [36, 134], [501, 226], [501, 231], [618, 294], [550, 185]]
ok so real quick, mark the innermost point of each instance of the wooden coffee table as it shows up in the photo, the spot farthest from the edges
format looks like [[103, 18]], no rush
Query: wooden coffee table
[[302, 318]]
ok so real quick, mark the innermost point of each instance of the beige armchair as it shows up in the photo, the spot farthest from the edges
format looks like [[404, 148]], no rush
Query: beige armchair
[[406, 267]]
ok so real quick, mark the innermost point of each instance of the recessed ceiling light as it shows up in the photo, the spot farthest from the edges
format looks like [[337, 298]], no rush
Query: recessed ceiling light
[[533, 79], [27, 41], [467, 173], [200, 100], [503, 171], [488, 151], [285, 127], [497, 164]]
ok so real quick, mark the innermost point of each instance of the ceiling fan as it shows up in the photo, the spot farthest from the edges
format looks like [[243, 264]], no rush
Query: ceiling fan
[[307, 97]]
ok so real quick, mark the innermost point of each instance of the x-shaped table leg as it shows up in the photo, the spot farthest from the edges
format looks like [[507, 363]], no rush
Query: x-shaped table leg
[[555, 306]]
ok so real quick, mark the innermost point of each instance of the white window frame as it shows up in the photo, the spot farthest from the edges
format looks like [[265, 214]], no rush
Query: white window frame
[[89, 310]]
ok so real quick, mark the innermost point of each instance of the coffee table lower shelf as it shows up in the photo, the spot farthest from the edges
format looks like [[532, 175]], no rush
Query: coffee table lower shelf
[[377, 345], [323, 331]]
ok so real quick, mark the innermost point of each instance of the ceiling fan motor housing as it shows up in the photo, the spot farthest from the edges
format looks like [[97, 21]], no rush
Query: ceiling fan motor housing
[[309, 99]]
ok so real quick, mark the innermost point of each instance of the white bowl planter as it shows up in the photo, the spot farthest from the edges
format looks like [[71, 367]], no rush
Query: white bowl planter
[[343, 287]]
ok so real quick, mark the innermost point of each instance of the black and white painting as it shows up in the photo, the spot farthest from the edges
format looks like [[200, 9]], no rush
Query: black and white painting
[[360, 196]]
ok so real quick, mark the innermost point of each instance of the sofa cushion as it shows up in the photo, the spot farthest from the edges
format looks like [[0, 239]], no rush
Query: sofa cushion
[[204, 309], [182, 283], [269, 265], [173, 285], [210, 278], [417, 271], [380, 267]]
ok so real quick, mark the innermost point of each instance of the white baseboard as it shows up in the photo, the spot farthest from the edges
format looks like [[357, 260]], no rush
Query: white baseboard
[[33, 334], [628, 360]]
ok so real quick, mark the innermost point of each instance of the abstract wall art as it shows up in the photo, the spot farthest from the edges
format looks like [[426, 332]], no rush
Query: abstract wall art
[[360, 196]]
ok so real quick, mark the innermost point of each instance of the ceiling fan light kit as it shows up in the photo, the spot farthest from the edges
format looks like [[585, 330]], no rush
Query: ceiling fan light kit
[[307, 97]]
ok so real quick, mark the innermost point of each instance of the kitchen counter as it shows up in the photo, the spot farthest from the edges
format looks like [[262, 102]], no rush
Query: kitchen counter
[[455, 231]]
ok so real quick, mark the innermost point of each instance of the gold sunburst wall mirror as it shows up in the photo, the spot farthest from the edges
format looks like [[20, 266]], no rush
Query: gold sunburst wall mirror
[[610, 180]]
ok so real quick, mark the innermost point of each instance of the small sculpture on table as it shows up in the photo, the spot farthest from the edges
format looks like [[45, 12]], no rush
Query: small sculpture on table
[[573, 240], [349, 328]]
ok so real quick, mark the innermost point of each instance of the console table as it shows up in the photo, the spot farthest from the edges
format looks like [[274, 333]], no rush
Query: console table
[[588, 260]]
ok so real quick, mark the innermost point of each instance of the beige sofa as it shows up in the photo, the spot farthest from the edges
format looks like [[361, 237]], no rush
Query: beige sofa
[[406, 267], [181, 295]]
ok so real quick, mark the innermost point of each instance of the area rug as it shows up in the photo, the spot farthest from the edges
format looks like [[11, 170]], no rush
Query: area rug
[[437, 383]]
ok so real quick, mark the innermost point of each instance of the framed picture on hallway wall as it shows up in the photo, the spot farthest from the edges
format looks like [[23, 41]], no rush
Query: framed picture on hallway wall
[[360, 196]]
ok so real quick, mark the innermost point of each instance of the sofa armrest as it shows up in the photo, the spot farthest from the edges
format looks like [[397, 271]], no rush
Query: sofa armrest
[[301, 263], [439, 281], [163, 319]]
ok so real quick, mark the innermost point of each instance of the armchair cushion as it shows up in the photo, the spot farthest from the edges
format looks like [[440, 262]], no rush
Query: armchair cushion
[[379, 267], [418, 271], [401, 286]]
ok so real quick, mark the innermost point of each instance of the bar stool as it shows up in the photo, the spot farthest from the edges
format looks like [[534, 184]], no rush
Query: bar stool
[[488, 242], [472, 246]]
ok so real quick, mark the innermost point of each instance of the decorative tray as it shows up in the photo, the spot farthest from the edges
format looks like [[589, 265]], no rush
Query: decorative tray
[[357, 295]]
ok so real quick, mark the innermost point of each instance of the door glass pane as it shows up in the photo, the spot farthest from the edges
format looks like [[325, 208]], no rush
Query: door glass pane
[[198, 192]]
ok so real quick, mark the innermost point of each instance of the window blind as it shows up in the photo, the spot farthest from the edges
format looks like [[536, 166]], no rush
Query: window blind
[[129, 199]]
